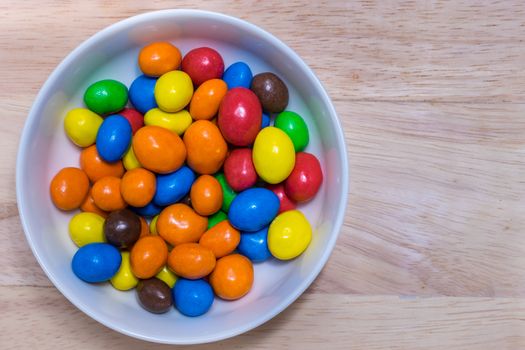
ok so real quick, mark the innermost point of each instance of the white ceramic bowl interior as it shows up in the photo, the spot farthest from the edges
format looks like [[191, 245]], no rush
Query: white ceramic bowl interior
[[44, 149]]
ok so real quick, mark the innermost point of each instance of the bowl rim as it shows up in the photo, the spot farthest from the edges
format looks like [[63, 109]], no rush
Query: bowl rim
[[43, 96]]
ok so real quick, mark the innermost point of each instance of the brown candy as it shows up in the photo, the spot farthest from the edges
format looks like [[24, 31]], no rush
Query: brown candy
[[271, 91], [122, 228], [154, 295]]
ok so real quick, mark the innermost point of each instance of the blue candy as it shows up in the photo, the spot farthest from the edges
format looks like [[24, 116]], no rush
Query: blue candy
[[113, 138], [141, 93], [238, 75], [265, 121], [96, 262], [192, 297], [172, 187], [254, 246], [253, 209], [151, 209]]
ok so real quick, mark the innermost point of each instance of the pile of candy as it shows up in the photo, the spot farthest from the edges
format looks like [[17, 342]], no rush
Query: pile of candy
[[217, 184]]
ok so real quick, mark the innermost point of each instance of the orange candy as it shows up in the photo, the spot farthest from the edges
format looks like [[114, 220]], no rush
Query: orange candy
[[232, 277], [207, 98], [191, 260], [144, 227], [148, 256], [69, 188], [106, 194], [138, 187], [205, 146], [89, 206], [158, 149], [178, 224], [158, 58], [96, 168], [222, 239], [206, 195]]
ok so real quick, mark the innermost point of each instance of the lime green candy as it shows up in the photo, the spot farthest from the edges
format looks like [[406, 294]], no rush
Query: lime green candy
[[216, 218], [295, 127], [81, 126], [85, 228], [124, 279], [106, 96], [177, 122], [228, 194], [167, 276], [289, 235]]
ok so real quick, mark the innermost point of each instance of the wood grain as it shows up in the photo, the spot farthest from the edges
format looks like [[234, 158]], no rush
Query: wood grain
[[431, 96]]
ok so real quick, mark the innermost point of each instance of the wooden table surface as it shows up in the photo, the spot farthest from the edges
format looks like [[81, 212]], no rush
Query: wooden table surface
[[431, 96]]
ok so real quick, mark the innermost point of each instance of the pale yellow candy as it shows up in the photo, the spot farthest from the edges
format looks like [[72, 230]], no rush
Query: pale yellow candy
[[85, 228], [273, 155], [129, 160], [177, 122], [289, 235], [173, 91], [153, 225], [167, 276], [82, 126], [124, 278]]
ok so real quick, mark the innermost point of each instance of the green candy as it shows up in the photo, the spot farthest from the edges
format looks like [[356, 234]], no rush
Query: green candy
[[228, 194], [106, 96], [295, 127], [216, 218]]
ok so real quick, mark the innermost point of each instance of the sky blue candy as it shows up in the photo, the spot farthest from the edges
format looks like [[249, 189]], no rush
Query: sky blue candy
[[96, 262], [253, 209], [238, 75], [113, 138], [254, 246], [173, 186], [141, 93], [265, 121], [151, 209], [192, 297]]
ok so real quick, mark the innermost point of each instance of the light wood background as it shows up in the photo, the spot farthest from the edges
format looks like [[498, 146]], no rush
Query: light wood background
[[431, 96]]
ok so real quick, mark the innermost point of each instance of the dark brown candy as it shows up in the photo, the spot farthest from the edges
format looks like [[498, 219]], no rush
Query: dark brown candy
[[122, 228], [271, 91], [154, 295], [186, 200]]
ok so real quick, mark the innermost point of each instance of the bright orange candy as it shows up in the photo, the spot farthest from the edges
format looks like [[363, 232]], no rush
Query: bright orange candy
[[138, 187], [205, 146], [158, 149], [144, 227], [158, 58], [178, 224], [206, 195], [233, 277], [69, 188], [106, 194], [148, 256], [207, 98], [222, 239], [89, 206], [96, 168], [191, 260]]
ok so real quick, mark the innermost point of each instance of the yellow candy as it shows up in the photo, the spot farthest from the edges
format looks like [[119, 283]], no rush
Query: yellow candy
[[289, 235], [273, 155], [173, 91], [81, 126], [153, 225], [167, 276], [124, 278], [129, 160], [85, 228], [177, 122]]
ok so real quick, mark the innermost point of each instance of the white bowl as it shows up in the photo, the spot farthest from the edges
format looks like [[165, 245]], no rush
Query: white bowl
[[44, 149]]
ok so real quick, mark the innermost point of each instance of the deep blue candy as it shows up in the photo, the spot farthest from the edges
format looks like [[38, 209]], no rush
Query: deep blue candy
[[96, 262], [253, 209], [265, 121], [141, 93], [238, 75], [192, 297], [151, 209], [173, 186], [113, 138], [254, 246]]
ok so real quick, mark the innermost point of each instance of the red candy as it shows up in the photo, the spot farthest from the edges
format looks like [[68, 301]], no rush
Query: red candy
[[203, 64], [305, 179], [240, 116], [285, 203], [134, 118], [239, 170]]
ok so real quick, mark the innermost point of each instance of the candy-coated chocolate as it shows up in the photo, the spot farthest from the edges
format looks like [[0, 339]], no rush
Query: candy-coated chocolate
[[173, 91], [221, 239], [144, 227], [206, 195], [122, 228], [134, 117], [106, 96], [154, 295], [273, 155], [153, 225], [228, 194], [265, 120], [232, 277], [271, 91], [113, 138], [240, 116], [159, 149], [89, 206], [158, 58], [238, 75], [305, 179], [85, 228], [138, 187], [124, 278], [148, 256], [205, 146], [192, 297], [253, 209], [179, 224], [206, 100], [216, 218], [96, 262], [239, 169], [167, 276], [81, 126], [289, 235], [68, 188], [191, 260], [106, 194], [177, 122], [295, 127], [254, 245], [96, 167], [129, 160], [149, 210], [203, 64], [172, 187], [285, 203], [142, 93]]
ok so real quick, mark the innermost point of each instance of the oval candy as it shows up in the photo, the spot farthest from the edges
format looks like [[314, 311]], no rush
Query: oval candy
[[273, 155], [173, 91], [122, 228], [172, 187], [134, 117], [85, 228], [138, 187], [154, 295], [232, 277], [124, 278], [203, 63], [206, 195], [191, 260], [106, 96], [253, 209], [142, 93], [271, 91], [207, 98], [238, 74], [221, 239], [177, 122], [239, 169], [148, 256], [96, 262], [113, 138], [289, 235], [96, 167], [81, 126], [178, 223], [68, 188], [205, 147], [295, 127], [254, 245], [192, 297], [158, 58], [305, 179]]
